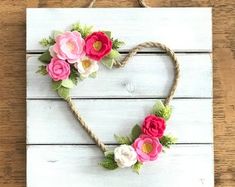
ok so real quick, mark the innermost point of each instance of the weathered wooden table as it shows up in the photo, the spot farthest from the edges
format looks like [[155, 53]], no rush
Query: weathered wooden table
[[12, 92]]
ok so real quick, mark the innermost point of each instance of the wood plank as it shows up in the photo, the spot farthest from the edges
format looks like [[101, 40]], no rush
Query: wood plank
[[182, 29], [181, 166], [51, 122], [145, 76]]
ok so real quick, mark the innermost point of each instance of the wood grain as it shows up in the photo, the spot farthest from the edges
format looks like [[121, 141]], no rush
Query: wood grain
[[70, 165], [192, 25], [123, 114], [146, 76], [12, 92]]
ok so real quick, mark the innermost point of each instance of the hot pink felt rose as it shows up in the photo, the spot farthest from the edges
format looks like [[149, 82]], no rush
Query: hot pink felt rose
[[154, 126], [147, 148], [98, 44], [58, 69], [69, 46]]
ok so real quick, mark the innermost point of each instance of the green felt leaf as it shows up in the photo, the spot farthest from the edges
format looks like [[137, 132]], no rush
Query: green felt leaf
[[108, 62], [56, 33], [109, 154], [45, 57], [137, 167], [84, 30], [113, 54], [42, 70], [93, 75], [168, 140], [123, 139], [160, 110], [117, 44], [74, 75], [68, 83], [135, 132], [46, 42], [63, 92], [108, 33], [108, 162], [56, 85]]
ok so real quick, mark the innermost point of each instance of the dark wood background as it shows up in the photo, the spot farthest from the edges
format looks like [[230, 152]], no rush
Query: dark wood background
[[13, 82]]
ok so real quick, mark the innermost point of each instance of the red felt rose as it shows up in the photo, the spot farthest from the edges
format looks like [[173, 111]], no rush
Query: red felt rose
[[98, 44], [154, 126]]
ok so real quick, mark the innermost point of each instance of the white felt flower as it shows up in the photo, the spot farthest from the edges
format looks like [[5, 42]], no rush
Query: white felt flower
[[125, 156], [52, 53], [86, 67]]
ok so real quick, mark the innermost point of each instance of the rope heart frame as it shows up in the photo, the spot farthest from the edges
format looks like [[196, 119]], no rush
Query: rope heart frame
[[74, 55]]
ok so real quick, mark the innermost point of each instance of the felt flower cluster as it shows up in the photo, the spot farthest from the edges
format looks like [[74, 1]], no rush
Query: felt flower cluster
[[145, 142], [74, 55]]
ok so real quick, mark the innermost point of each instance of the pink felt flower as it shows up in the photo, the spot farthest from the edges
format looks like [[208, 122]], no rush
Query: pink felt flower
[[154, 126], [147, 148], [98, 44], [69, 46], [58, 69]]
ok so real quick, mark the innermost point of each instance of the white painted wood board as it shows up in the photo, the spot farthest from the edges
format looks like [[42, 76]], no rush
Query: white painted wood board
[[72, 166], [145, 76], [59, 153], [182, 29], [54, 120]]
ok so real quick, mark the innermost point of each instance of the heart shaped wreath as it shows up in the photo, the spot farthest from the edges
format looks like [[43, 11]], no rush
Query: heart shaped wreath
[[75, 55]]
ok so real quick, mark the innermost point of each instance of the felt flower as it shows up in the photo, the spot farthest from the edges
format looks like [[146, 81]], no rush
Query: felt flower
[[58, 69], [147, 148], [86, 67], [154, 126], [125, 156], [69, 46], [51, 51], [98, 44]]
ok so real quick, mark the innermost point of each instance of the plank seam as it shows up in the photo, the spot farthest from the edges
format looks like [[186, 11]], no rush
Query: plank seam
[[111, 144], [116, 98]]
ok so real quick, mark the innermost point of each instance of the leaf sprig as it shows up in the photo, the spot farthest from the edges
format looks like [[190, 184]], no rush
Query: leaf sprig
[[167, 141], [108, 162], [83, 29], [160, 110], [128, 140], [46, 42]]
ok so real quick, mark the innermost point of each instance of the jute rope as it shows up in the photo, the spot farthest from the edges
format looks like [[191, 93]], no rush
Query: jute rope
[[165, 49], [122, 63], [141, 2], [84, 125]]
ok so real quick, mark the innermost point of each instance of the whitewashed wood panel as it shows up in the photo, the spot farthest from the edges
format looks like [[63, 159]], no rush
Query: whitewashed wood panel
[[182, 29], [145, 76], [72, 166], [118, 99], [51, 121]]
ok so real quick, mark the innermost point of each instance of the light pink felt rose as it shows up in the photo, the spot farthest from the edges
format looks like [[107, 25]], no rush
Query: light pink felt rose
[[147, 148], [154, 126], [58, 69], [69, 46]]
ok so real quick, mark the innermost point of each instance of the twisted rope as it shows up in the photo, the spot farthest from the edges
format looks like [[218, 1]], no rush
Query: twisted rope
[[165, 49], [122, 63], [84, 125], [141, 2]]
